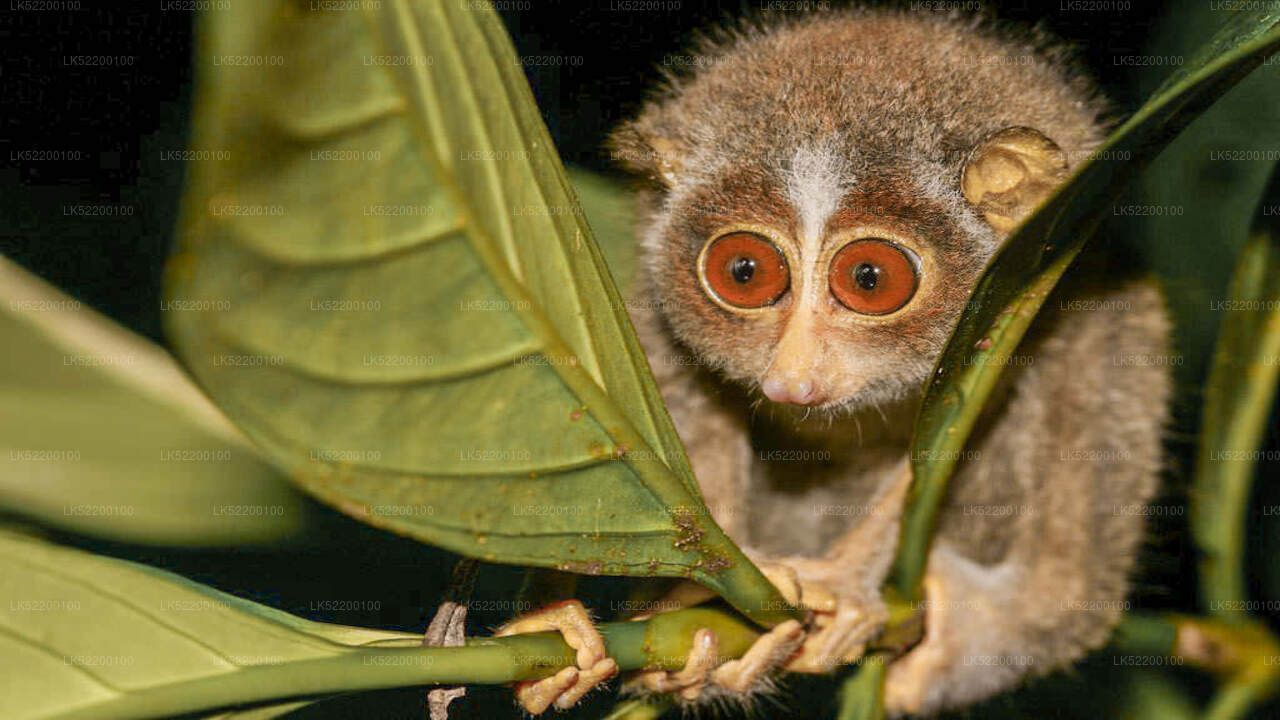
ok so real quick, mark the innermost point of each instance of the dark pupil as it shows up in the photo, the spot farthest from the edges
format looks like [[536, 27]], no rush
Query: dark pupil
[[742, 269], [866, 275]]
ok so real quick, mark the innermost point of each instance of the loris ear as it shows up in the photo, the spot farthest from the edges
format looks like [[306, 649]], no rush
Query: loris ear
[[1010, 173], [646, 153]]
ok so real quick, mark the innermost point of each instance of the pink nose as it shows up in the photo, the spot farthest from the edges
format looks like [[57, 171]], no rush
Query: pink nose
[[790, 390]]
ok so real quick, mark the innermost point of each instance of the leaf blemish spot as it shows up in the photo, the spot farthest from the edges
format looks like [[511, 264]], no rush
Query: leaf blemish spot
[[689, 531], [716, 564], [593, 567]]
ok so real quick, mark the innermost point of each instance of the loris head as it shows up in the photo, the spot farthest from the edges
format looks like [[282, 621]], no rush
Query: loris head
[[826, 191]]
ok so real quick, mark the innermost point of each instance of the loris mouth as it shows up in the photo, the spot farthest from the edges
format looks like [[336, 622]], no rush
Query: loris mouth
[[825, 410], [872, 399]]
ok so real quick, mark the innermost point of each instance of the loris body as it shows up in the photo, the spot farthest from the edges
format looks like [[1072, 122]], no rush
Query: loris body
[[864, 166]]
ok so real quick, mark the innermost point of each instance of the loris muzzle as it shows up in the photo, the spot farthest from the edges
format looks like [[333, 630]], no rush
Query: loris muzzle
[[820, 197]]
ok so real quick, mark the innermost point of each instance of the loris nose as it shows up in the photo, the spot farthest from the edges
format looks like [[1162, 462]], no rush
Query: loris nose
[[791, 377], [790, 390]]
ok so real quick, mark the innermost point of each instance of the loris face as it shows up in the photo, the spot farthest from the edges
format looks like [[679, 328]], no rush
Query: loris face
[[817, 224], [814, 283]]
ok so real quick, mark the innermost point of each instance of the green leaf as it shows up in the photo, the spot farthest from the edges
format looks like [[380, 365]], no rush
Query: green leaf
[[103, 434], [88, 636], [84, 636], [1238, 399], [1022, 274], [260, 712], [385, 280]]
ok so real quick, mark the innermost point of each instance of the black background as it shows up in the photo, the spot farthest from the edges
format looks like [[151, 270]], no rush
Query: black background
[[122, 120]]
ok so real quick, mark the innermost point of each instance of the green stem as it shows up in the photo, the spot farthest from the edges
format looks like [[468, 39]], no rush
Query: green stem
[[1241, 651], [640, 709], [1234, 700], [662, 642], [1242, 383], [862, 694]]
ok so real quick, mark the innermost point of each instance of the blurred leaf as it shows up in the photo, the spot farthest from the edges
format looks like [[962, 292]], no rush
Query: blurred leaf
[[94, 637], [1152, 695], [385, 280], [1238, 400], [103, 434], [85, 636], [1036, 254], [1240, 651]]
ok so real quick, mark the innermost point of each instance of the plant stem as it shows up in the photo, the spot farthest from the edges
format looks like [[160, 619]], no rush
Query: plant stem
[[1241, 651], [862, 694], [1242, 383], [663, 642]]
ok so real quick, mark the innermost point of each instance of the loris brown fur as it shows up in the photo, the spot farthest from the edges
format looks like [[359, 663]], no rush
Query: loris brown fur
[[808, 127]]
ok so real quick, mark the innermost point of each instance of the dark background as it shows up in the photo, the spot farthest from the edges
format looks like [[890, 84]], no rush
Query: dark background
[[121, 121]]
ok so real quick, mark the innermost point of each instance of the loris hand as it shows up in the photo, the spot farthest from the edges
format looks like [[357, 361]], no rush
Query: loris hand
[[840, 626], [843, 622]]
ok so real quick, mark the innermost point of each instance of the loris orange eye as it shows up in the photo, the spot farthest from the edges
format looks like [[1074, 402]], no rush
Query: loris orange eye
[[873, 277], [745, 270]]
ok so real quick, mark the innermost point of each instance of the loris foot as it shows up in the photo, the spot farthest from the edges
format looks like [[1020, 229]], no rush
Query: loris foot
[[568, 686], [842, 622], [702, 668], [689, 681], [767, 654], [840, 626]]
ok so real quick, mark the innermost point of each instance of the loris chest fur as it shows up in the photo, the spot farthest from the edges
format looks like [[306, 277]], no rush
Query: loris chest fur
[[822, 196]]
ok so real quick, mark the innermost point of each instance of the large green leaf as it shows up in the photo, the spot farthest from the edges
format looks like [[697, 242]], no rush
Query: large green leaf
[[101, 433], [1238, 399], [93, 637], [385, 280], [1022, 274], [89, 637]]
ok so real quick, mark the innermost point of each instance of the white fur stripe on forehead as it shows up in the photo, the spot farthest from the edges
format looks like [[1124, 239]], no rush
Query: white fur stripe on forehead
[[816, 182]]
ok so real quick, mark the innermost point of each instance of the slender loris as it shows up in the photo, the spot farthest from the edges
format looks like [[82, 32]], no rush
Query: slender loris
[[825, 191]]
